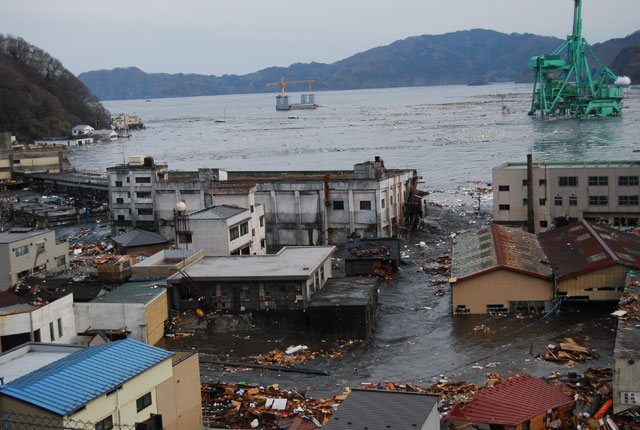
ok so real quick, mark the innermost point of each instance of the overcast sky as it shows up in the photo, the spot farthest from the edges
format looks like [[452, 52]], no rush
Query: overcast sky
[[242, 36]]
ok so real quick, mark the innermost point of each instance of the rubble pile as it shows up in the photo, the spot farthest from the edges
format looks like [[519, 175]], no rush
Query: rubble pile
[[629, 305], [298, 354], [450, 392], [437, 266], [242, 406], [570, 352]]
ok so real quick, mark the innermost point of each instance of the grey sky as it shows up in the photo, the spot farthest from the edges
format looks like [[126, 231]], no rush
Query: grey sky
[[242, 36]]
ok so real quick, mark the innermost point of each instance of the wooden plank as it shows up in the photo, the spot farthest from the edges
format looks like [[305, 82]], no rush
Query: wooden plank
[[573, 347]]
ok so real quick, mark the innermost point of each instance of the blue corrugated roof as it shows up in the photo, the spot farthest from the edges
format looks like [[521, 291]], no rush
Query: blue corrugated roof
[[71, 382]]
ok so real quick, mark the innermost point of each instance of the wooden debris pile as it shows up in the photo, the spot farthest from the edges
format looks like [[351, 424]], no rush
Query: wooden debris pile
[[242, 406], [570, 352], [296, 355], [437, 266], [450, 392]]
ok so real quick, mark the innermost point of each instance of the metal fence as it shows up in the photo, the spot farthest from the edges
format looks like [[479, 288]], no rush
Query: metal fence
[[16, 421]]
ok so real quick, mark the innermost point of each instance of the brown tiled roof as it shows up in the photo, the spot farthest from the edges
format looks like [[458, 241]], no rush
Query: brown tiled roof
[[9, 299], [583, 247], [512, 402]]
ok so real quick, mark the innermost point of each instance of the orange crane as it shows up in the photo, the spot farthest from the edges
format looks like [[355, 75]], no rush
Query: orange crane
[[282, 83]]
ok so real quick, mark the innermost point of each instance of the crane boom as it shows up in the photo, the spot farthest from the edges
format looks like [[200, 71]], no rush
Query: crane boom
[[282, 83]]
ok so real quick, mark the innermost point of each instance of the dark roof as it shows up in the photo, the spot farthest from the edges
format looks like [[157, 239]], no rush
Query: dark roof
[[73, 381], [55, 288], [9, 299], [512, 402], [217, 212], [498, 247], [381, 410], [139, 238], [583, 247], [385, 248]]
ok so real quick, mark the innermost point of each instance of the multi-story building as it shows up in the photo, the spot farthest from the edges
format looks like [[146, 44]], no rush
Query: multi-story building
[[301, 208], [24, 252], [605, 192], [222, 230], [113, 385]]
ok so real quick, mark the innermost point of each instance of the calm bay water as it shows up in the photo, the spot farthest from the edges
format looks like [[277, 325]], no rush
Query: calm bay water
[[450, 134]]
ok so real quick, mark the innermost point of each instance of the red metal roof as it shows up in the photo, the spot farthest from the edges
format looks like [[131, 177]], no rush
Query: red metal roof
[[583, 247], [512, 402]]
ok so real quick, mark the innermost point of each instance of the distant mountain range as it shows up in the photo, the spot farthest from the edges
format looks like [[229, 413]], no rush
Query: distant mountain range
[[462, 57]]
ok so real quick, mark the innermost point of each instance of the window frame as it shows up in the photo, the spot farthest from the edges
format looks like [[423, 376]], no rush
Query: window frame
[[365, 205], [144, 402]]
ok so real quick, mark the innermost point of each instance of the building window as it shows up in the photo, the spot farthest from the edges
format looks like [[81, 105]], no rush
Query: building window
[[391, 199], [145, 211], [251, 208], [245, 251], [525, 182], [59, 327], [503, 187], [525, 202], [120, 217], [261, 221], [143, 194], [128, 180], [598, 180], [60, 261], [253, 232], [598, 200], [244, 228], [263, 243], [185, 237], [143, 180], [542, 202], [118, 184], [543, 224], [338, 205], [573, 201], [568, 181], [22, 250], [40, 247], [105, 424], [365, 205], [628, 200], [234, 233], [143, 402], [119, 200], [557, 200], [504, 207], [383, 206], [542, 182], [52, 334], [627, 180]]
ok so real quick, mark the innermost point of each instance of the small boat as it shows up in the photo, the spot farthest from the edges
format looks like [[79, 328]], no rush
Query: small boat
[[147, 100], [293, 117]]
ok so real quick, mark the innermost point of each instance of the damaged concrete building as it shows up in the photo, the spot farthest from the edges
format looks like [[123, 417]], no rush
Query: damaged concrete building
[[300, 207]]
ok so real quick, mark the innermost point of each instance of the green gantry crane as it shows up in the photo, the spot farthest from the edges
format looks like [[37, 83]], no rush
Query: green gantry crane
[[568, 86]]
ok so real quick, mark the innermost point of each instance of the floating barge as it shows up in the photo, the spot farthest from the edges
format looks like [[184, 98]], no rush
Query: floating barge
[[307, 101]]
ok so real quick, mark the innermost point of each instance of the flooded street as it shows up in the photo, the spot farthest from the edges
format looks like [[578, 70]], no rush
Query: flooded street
[[415, 337]]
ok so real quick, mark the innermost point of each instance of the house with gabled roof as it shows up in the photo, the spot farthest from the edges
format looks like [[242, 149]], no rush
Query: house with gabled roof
[[590, 260], [117, 383], [497, 269], [522, 402]]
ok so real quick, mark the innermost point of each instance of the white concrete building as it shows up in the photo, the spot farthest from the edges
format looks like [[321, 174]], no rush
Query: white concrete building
[[301, 208], [24, 252], [605, 192], [64, 140], [222, 230], [82, 129], [104, 135], [23, 322]]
